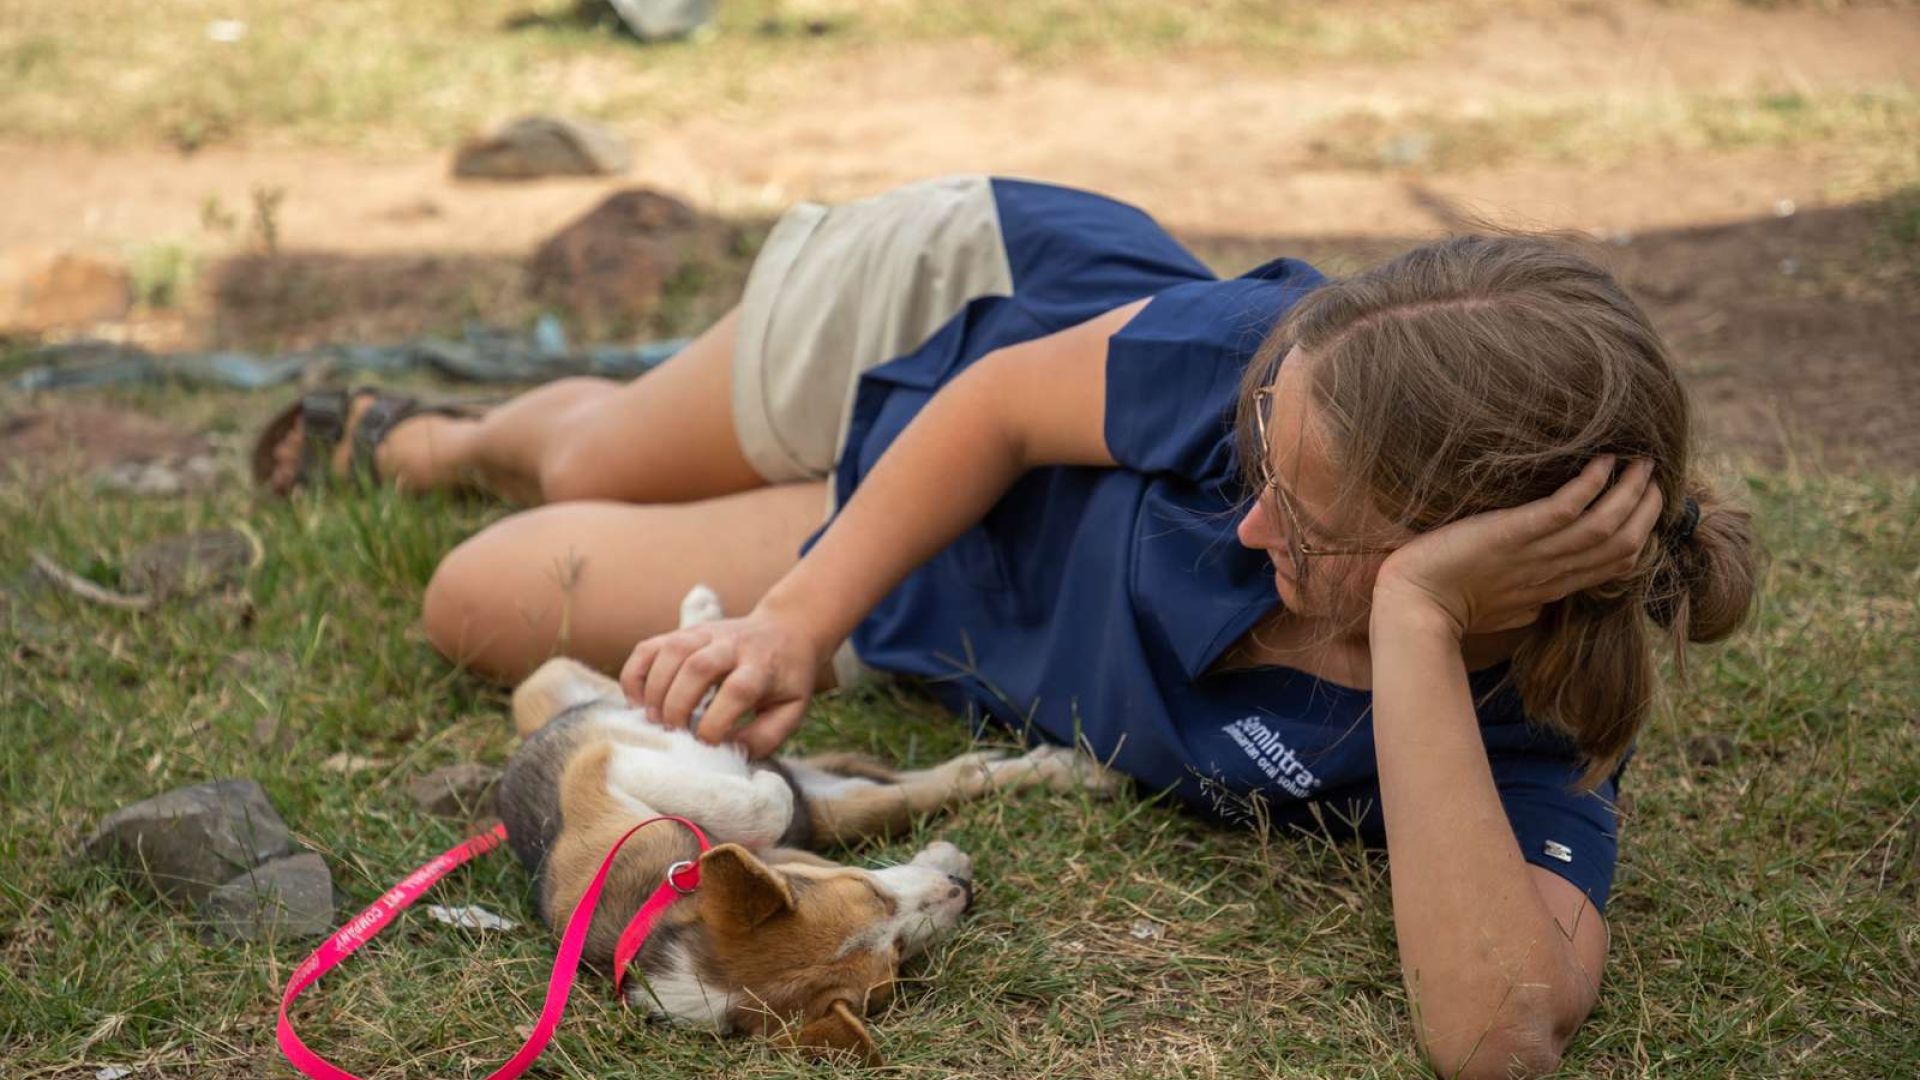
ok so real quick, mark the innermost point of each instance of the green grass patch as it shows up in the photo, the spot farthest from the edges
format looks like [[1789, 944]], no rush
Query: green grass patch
[[1762, 923]]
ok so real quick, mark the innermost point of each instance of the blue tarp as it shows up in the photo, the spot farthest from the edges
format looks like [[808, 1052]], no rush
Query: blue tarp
[[482, 355]]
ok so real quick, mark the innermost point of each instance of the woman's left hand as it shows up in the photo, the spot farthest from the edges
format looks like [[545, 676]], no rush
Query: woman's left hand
[[1495, 571]]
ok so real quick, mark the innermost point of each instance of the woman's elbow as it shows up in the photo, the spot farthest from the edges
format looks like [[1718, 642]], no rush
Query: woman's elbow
[[1508, 1049]]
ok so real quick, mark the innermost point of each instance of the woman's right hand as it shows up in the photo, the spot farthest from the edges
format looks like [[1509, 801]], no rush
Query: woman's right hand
[[761, 663]]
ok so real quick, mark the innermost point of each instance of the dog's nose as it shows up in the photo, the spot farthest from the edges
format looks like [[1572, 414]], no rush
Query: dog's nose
[[966, 888]]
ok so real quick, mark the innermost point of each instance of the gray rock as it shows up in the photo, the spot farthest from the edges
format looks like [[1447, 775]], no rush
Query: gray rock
[[189, 563], [186, 843], [456, 791], [663, 20], [285, 898], [536, 146], [1407, 149]]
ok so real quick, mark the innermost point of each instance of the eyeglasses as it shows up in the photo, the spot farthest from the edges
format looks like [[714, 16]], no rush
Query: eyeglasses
[[1298, 546]]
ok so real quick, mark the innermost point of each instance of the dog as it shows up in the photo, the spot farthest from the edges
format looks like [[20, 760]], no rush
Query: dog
[[777, 940]]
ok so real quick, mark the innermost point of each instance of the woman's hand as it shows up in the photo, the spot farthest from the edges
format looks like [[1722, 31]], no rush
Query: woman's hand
[[1495, 571], [760, 663]]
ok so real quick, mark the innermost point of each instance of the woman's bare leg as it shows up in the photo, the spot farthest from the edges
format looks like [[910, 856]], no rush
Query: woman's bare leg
[[591, 579], [667, 436]]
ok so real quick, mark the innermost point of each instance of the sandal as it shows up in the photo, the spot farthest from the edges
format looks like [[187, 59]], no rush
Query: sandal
[[323, 416]]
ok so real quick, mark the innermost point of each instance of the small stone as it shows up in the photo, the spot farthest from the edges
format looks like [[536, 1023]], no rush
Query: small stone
[[1407, 149], [185, 843], [43, 289], [1144, 930], [1709, 750], [664, 20], [456, 791], [537, 146], [285, 898], [190, 563]]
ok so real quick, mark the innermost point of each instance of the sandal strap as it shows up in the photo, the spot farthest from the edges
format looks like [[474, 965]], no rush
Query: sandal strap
[[323, 420], [384, 413]]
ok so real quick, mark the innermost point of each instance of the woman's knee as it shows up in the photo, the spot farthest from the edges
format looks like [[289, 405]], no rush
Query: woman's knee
[[476, 611], [572, 465]]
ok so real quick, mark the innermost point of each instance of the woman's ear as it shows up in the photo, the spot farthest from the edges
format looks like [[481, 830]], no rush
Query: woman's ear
[[739, 891], [837, 1031]]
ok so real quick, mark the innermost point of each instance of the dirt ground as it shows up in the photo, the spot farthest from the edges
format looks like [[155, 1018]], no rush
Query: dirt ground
[[1778, 270]]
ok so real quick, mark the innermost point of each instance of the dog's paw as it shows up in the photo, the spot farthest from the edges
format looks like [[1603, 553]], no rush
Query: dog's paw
[[1064, 768], [978, 759], [701, 605], [945, 858]]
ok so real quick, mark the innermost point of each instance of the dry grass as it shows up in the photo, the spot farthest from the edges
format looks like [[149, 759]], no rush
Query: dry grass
[[411, 73]]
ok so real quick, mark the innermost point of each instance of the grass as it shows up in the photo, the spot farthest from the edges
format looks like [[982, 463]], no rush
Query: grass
[[1763, 917], [416, 73], [1860, 133]]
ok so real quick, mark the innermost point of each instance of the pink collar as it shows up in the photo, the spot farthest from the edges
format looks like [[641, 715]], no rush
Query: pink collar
[[682, 878]]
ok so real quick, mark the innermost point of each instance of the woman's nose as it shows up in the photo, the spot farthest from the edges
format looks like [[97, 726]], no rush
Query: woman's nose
[[1256, 528]]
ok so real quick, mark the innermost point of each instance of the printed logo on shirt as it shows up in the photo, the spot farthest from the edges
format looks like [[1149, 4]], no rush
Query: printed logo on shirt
[[1558, 850], [1272, 756]]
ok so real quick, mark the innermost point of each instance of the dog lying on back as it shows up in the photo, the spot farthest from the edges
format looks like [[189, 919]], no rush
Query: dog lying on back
[[777, 941]]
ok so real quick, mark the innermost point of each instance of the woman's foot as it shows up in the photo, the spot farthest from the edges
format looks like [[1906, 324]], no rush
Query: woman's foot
[[289, 451], [339, 434]]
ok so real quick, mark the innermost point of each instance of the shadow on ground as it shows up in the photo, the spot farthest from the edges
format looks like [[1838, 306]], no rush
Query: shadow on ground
[[1797, 332]]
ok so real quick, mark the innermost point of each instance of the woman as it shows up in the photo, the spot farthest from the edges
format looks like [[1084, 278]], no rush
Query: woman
[[1034, 421]]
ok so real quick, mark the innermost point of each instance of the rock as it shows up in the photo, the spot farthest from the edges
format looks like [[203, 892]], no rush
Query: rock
[[1709, 750], [536, 146], [1407, 149], [664, 20], [285, 898], [92, 436], [190, 563], [456, 791], [188, 842], [616, 261], [43, 289]]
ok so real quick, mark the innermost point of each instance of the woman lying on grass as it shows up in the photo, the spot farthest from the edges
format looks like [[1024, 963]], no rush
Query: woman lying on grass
[[1459, 484]]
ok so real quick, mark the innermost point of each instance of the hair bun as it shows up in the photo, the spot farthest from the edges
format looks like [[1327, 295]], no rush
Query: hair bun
[[1706, 589]]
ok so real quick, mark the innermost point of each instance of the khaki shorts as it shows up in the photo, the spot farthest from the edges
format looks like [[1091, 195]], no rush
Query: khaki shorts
[[838, 291]]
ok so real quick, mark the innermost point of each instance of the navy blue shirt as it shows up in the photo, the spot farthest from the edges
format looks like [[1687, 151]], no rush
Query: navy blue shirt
[[1092, 604]]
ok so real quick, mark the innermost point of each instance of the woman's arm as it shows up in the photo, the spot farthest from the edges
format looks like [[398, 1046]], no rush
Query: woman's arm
[[1501, 959], [1042, 402]]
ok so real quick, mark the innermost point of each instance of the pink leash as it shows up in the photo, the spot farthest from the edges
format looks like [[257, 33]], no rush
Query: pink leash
[[682, 878]]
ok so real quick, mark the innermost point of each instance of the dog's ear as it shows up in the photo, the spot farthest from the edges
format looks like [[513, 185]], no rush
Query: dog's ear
[[558, 685], [838, 1031], [738, 891]]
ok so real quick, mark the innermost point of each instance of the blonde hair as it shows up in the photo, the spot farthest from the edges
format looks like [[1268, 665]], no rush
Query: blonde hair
[[1483, 372]]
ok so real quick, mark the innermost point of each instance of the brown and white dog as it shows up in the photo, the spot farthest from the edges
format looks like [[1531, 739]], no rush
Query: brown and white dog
[[776, 941]]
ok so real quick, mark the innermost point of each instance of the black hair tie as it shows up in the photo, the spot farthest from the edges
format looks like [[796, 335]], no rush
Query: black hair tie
[[1689, 520]]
